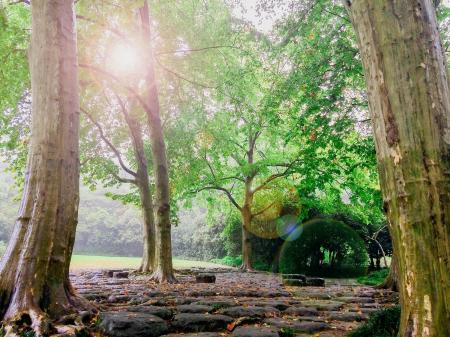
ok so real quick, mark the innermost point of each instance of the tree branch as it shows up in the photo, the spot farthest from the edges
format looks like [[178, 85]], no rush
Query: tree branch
[[124, 180], [275, 176], [228, 193], [263, 210], [110, 145]]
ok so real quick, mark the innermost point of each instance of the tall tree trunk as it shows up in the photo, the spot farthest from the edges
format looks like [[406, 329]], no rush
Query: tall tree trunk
[[34, 271], [391, 281], [145, 193], [406, 75], [246, 244], [163, 271]]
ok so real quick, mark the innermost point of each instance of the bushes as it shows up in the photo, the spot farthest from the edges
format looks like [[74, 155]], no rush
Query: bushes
[[383, 323], [232, 261], [236, 261], [325, 247], [374, 278]]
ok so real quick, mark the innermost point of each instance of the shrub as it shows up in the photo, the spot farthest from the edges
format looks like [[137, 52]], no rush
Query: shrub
[[374, 278], [326, 247], [232, 261], [383, 323]]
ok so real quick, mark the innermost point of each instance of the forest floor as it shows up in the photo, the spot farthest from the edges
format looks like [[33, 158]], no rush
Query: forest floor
[[237, 305]]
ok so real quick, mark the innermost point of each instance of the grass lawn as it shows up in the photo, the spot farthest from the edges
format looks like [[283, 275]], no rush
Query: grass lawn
[[117, 262]]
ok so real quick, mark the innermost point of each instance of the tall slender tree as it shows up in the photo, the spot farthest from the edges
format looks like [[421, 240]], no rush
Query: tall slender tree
[[409, 99], [163, 268], [94, 165], [34, 271]]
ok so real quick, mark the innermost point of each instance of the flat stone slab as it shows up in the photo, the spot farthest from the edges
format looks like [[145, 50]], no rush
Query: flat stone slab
[[217, 303], [246, 331], [345, 316], [128, 324], [205, 278], [250, 311], [297, 326], [194, 334], [324, 305], [194, 308], [294, 282], [315, 282], [301, 311], [357, 299], [294, 277], [120, 274], [163, 312], [200, 322]]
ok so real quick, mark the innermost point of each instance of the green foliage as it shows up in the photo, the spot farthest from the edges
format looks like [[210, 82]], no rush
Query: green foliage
[[29, 333], [14, 76], [82, 333], [195, 238], [232, 261], [325, 248], [374, 278], [287, 332], [383, 323]]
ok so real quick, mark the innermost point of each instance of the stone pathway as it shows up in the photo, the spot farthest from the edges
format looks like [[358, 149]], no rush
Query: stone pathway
[[237, 305]]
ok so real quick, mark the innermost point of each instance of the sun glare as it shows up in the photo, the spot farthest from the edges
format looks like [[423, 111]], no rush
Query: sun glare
[[124, 59]]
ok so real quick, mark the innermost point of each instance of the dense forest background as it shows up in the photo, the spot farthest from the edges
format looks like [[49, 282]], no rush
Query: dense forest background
[[108, 227]]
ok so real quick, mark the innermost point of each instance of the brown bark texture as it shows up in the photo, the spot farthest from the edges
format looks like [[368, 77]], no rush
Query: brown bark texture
[[34, 271], [163, 269], [246, 244], [391, 281], [407, 81], [145, 193]]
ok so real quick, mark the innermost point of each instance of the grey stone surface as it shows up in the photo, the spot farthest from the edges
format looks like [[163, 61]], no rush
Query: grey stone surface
[[246, 331], [163, 312], [249, 311], [128, 324], [297, 326], [200, 322], [194, 308]]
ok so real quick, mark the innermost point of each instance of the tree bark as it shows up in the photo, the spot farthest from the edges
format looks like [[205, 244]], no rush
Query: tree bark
[[246, 244], [391, 281], [163, 271], [34, 271], [145, 193], [407, 81]]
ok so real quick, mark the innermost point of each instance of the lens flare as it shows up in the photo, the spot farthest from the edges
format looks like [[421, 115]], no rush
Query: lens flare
[[124, 59], [289, 228]]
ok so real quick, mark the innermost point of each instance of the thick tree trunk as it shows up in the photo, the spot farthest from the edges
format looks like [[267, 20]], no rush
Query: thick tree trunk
[[246, 244], [163, 271], [391, 281], [34, 271], [145, 193], [406, 76]]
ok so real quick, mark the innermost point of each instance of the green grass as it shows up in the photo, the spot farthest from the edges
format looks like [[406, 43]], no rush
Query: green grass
[[116, 262], [374, 278]]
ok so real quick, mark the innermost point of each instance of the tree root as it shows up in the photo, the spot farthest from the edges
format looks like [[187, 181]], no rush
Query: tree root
[[29, 320], [22, 317], [245, 268], [161, 277], [143, 270]]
